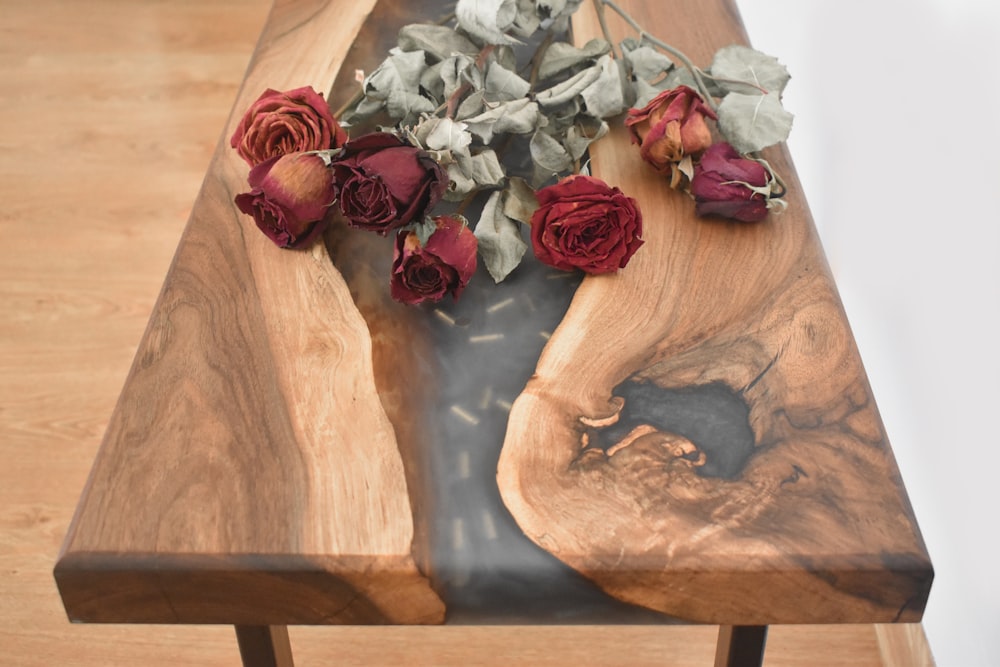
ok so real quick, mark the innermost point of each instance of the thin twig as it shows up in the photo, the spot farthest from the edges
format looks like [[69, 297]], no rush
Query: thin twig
[[644, 36], [603, 20]]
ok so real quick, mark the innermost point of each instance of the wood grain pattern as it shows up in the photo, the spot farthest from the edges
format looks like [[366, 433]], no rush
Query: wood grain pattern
[[76, 292], [250, 435], [813, 524]]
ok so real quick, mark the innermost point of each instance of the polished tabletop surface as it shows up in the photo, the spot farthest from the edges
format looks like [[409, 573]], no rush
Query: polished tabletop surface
[[291, 446]]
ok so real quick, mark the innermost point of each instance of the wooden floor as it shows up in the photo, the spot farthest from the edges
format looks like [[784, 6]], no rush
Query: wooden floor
[[109, 112]]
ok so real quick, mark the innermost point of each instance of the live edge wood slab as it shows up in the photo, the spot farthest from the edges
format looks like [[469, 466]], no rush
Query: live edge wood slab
[[691, 439]]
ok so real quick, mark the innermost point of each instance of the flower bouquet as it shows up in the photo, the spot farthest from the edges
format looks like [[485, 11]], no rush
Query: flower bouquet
[[470, 140]]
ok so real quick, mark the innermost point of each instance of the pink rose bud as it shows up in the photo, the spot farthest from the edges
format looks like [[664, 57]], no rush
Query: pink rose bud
[[583, 223], [385, 183], [671, 126], [442, 266], [290, 197], [723, 182], [282, 123]]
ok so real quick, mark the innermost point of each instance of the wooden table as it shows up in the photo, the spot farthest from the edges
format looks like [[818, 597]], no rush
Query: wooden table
[[291, 447]]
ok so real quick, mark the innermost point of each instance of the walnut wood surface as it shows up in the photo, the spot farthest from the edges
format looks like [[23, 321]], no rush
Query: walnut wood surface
[[249, 473], [77, 299], [811, 523]]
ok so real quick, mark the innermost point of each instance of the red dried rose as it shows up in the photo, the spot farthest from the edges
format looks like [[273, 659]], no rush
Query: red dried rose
[[290, 198], [282, 123], [385, 183], [583, 223], [442, 266], [723, 182], [671, 126]]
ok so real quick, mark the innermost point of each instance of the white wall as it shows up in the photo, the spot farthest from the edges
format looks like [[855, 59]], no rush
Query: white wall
[[897, 142]]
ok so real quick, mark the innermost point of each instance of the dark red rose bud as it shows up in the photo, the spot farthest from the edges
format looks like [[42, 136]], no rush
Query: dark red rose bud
[[290, 198], [671, 126], [583, 223], [281, 123], [442, 266], [723, 182], [385, 183]]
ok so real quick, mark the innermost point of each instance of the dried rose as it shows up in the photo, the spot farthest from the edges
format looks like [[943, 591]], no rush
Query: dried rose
[[724, 184], [281, 123], [290, 197], [443, 265], [385, 183], [583, 223], [671, 126]]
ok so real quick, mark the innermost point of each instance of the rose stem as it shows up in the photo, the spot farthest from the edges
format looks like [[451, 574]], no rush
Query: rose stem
[[536, 59], [452, 104], [644, 36], [603, 20]]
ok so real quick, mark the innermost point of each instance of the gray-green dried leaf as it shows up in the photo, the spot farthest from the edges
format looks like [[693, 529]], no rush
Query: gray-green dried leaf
[[647, 63], [514, 117], [482, 168], [471, 106], [439, 41], [741, 63], [432, 84], [487, 20], [569, 89], [499, 239], [548, 154], [519, 202], [400, 71], [753, 122], [503, 85], [406, 106], [581, 135], [527, 21], [605, 96], [561, 56], [458, 70], [644, 92], [443, 134]]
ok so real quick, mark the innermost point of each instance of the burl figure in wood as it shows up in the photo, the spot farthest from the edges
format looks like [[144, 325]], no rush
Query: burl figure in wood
[[699, 437]]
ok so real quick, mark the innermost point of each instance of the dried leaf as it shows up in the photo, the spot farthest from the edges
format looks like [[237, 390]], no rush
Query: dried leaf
[[499, 237], [471, 172], [444, 134], [482, 168], [741, 63], [604, 97], [569, 89], [646, 62], [519, 202], [458, 70], [514, 117], [753, 122], [561, 56], [400, 71], [549, 155], [503, 85], [487, 20], [437, 40], [406, 106], [580, 136]]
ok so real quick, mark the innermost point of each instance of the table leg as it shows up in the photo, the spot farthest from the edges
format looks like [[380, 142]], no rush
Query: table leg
[[264, 645], [741, 646]]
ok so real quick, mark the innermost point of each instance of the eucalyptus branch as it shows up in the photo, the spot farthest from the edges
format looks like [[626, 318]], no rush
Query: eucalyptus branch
[[696, 72]]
